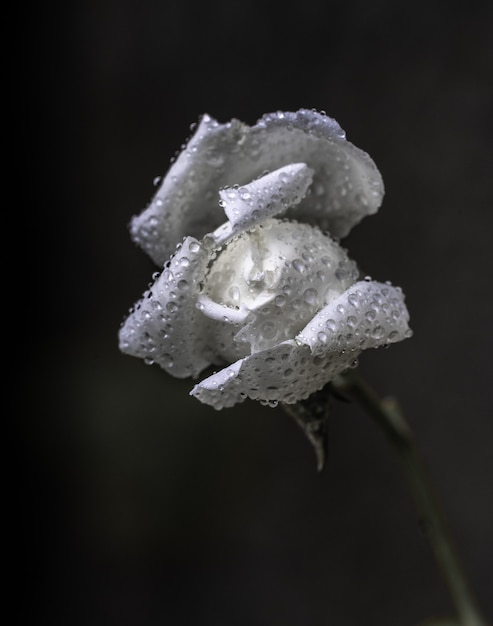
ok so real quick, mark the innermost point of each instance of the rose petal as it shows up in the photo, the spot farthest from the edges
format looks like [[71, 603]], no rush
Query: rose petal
[[288, 372], [267, 196], [346, 184], [165, 327], [368, 315]]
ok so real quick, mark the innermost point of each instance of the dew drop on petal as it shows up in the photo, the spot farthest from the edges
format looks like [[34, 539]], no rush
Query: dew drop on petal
[[268, 330], [168, 360], [234, 294], [310, 296], [378, 332], [298, 265], [331, 325], [351, 321]]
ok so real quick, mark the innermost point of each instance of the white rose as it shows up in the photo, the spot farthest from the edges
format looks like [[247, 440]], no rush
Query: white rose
[[269, 291]]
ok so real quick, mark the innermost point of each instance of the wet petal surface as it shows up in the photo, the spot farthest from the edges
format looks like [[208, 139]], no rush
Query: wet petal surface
[[368, 315], [165, 326], [288, 372], [267, 196], [346, 183]]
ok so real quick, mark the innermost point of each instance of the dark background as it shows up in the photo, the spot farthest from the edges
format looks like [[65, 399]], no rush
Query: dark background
[[140, 506]]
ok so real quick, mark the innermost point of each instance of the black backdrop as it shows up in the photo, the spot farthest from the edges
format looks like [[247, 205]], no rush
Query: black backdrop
[[138, 504]]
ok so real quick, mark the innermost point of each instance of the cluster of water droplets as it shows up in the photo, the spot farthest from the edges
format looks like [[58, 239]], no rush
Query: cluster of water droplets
[[285, 373], [280, 274], [347, 185], [368, 315], [270, 194], [165, 327]]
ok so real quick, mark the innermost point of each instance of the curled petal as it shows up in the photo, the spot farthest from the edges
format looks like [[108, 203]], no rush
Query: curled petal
[[287, 373], [346, 183], [267, 196], [367, 315], [165, 327]]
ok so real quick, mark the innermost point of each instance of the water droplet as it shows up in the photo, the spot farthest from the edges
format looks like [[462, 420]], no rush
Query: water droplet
[[378, 332], [331, 325], [353, 300], [234, 294], [351, 321], [310, 296], [341, 273], [245, 194], [298, 265], [168, 360], [268, 330]]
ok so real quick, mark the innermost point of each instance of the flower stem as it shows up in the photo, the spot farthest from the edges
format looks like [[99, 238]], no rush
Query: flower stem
[[390, 418]]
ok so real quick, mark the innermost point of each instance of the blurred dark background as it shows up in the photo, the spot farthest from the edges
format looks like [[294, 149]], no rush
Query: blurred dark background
[[138, 505]]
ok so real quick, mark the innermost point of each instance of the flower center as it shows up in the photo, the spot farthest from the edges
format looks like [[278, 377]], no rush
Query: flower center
[[269, 282]]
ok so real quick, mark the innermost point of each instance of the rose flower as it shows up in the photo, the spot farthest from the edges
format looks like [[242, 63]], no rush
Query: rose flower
[[246, 225]]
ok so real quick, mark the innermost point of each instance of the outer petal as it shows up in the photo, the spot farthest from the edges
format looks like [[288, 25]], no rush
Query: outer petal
[[289, 372], [368, 315], [346, 184], [165, 327]]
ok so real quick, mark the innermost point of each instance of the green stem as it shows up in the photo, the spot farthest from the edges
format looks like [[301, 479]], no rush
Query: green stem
[[389, 417]]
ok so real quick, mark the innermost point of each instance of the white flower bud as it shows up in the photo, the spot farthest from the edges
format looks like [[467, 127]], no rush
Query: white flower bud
[[267, 291]]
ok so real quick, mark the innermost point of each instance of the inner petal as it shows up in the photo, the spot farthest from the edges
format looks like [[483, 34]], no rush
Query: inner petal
[[279, 275]]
